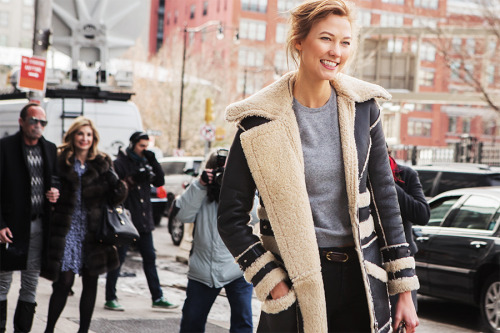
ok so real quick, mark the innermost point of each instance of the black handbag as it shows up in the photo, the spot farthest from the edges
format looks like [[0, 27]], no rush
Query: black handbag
[[117, 227]]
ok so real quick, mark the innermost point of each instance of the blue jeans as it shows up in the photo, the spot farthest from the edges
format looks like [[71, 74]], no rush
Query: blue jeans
[[147, 250], [199, 301]]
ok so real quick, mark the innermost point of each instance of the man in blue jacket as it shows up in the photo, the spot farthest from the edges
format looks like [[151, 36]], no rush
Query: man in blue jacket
[[211, 265]]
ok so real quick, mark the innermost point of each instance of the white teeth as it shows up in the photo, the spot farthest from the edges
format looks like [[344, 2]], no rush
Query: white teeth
[[329, 63]]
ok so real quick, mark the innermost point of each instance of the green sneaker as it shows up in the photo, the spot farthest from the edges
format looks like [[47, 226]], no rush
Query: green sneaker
[[164, 304], [113, 305]]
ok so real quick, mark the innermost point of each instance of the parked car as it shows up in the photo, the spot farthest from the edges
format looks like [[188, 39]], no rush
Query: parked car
[[179, 173], [459, 250], [438, 178]]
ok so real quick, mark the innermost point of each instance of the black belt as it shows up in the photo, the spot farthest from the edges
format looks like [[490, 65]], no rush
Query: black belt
[[338, 254], [36, 216]]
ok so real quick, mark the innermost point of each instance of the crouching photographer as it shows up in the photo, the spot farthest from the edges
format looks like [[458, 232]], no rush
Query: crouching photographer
[[211, 265]]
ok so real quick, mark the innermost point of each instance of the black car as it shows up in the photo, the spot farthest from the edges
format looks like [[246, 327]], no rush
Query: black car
[[438, 178], [459, 250]]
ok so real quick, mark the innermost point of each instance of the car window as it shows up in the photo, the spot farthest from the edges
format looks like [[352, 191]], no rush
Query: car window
[[440, 208], [476, 213], [427, 180], [453, 180], [494, 180], [173, 168]]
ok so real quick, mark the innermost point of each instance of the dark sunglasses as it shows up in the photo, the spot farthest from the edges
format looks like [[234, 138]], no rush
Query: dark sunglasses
[[34, 121]]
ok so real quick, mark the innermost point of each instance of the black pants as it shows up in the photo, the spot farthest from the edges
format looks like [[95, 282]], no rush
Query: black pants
[[346, 303]]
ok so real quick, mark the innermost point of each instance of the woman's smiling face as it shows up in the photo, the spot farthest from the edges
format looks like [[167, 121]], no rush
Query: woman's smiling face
[[326, 48]]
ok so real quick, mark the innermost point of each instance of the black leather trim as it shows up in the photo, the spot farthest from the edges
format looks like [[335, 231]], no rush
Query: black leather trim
[[250, 256], [265, 228], [364, 213], [263, 272], [395, 253]]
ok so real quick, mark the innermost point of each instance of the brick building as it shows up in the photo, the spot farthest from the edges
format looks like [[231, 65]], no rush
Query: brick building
[[420, 50]]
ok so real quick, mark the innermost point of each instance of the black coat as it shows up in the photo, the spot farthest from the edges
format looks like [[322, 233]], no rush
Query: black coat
[[99, 185], [15, 198], [412, 202], [139, 194]]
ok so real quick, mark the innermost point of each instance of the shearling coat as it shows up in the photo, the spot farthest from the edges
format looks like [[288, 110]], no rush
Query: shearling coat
[[273, 163], [99, 186], [15, 198]]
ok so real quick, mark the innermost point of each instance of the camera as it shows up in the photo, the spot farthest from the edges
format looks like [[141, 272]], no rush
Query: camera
[[221, 162], [144, 173]]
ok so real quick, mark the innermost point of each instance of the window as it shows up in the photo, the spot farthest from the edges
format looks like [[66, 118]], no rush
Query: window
[[252, 29], [468, 71], [430, 4], [452, 124], [5, 1], [456, 43], [397, 2], [4, 19], [424, 22], [440, 209], [427, 51], [364, 18], [476, 213], [419, 127], [280, 62], [27, 22], [490, 73], [205, 8], [395, 45], [285, 5], [250, 82], [492, 46], [254, 5], [455, 70], [176, 16], [249, 57], [29, 2], [391, 20], [168, 18], [193, 10], [423, 107], [466, 125], [470, 45], [489, 127], [426, 77], [281, 31], [3, 40]]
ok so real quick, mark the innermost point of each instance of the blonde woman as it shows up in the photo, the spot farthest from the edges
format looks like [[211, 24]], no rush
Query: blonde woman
[[332, 247], [87, 181]]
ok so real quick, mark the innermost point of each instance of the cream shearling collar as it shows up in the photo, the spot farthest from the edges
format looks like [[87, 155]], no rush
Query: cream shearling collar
[[270, 102]]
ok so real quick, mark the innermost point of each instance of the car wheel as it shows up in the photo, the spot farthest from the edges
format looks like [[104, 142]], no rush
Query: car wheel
[[490, 303], [176, 230]]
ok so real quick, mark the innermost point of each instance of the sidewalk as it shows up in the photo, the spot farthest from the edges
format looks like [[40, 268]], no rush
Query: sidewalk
[[133, 294]]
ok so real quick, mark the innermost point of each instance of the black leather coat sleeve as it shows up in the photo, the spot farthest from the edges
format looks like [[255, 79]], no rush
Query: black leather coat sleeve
[[414, 206], [237, 197]]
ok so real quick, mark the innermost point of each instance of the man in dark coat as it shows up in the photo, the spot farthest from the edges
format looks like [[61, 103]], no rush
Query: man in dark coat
[[27, 173], [414, 210], [140, 169]]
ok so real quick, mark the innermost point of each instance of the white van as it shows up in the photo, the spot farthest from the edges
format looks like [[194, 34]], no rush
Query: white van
[[115, 119], [180, 171]]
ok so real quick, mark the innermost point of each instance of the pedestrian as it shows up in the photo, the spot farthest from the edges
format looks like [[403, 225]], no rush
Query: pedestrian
[[27, 173], [87, 182], [414, 210], [211, 265], [332, 246], [139, 168]]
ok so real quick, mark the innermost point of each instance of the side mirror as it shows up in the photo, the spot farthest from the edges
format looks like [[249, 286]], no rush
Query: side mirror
[[190, 172]]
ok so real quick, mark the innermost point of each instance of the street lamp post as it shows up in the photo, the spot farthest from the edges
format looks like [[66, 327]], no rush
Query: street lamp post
[[185, 31]]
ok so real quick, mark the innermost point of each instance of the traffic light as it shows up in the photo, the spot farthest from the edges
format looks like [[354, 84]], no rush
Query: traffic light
[[209, 111]]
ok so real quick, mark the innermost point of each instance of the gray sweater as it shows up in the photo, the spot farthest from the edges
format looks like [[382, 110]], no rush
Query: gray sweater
[[324, 172]]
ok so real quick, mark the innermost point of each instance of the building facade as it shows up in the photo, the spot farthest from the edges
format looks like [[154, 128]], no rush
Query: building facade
[[422, 51]]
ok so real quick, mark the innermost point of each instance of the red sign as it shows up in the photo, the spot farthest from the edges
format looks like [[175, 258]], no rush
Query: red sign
[[32, 73]]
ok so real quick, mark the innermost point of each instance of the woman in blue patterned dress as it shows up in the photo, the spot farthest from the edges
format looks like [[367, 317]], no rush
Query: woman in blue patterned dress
[[87, 181]]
